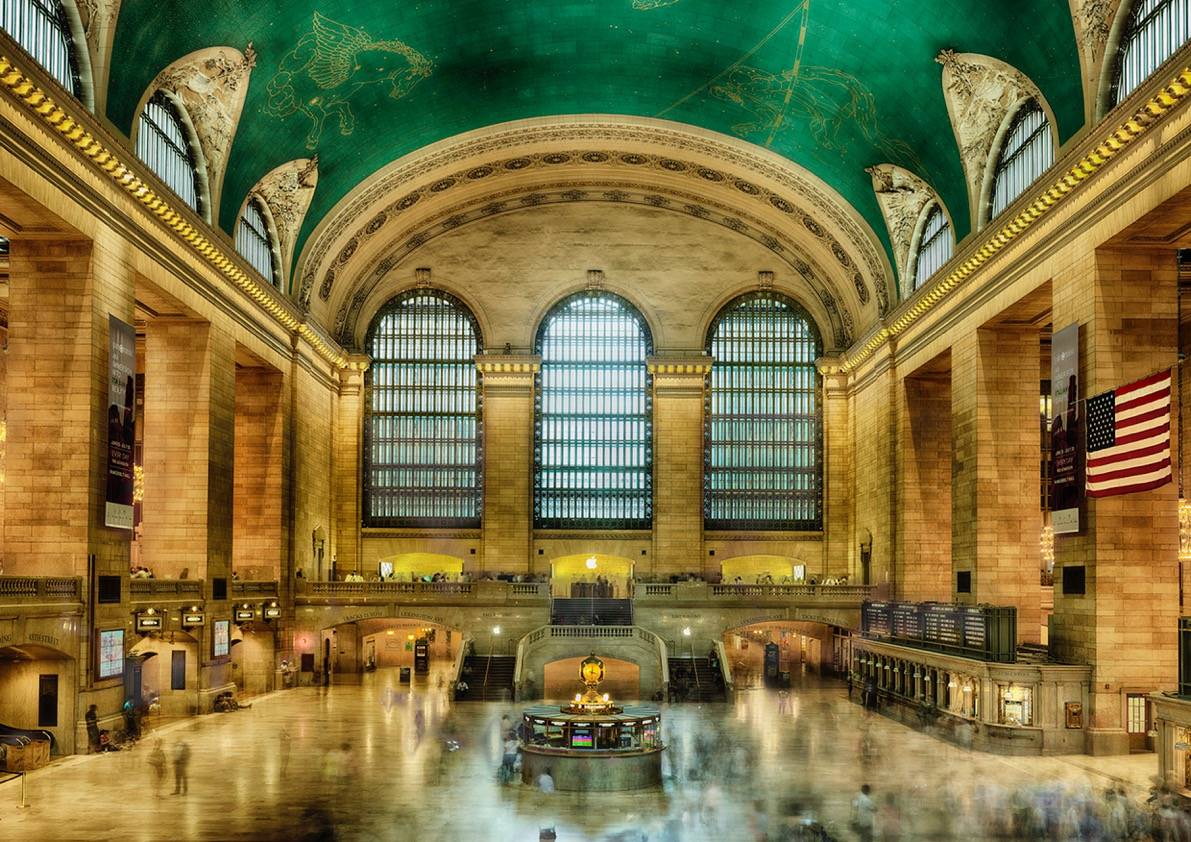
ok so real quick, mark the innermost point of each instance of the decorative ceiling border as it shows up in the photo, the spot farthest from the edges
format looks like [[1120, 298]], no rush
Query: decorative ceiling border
[[1043, 202], [618, 192], [128, 176], [338, 221]]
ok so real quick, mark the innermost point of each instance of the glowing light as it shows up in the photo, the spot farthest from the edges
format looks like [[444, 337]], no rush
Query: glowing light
[[591, 563], [686, 631], [1048, 547], [1184, 530], [496, 630]]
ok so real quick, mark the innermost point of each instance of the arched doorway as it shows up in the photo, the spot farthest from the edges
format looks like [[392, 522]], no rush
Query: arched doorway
[[802, 648], [166, 668], [417, 567], [37, 692], [560, 679], [571, 575], [762, 569], [352, 649]]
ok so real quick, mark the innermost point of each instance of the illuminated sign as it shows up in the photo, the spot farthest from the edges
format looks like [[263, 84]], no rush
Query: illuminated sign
[[193, 618], [271, 612], [243, 614]]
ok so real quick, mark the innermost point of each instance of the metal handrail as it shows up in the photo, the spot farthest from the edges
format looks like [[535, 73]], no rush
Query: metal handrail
[[725, 668], [24, 785]]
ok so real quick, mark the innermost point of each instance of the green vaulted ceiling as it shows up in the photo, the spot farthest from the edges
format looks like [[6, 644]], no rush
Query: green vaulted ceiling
[[834, 85]]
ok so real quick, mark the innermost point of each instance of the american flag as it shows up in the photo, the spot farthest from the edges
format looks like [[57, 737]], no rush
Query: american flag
[[1129, 437]]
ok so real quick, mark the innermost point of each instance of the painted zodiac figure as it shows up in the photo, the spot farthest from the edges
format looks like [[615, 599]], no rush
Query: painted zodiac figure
[[330, 64]]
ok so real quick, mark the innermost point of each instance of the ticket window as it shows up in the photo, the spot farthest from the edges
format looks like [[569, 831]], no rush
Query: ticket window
[[1017, 704]]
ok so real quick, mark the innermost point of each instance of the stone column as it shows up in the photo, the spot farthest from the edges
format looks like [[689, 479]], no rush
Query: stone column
[[1125, 623], [189, 449], [507, 381], [995, 510], [57, 369], [349, 465], [923, 569], [874, 503], [257, 545], [679, 386], [837, 469]]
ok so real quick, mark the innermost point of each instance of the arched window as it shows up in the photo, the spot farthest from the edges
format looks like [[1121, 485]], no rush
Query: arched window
[[162, 142], [763, 459], [593, 453], [40, 26], [1154, 31], [935, 245], [422, 428], [254, 241], [1027, 152]]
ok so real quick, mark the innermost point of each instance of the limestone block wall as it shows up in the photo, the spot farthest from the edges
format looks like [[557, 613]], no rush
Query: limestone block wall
[[257, 545], [923, 562]]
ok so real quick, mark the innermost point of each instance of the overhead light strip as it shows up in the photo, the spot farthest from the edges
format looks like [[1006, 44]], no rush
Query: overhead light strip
[[43, 106], [1110, 147]]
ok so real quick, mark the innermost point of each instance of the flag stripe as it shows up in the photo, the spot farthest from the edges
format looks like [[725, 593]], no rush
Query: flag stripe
[[1128, 442], [1101, 461]]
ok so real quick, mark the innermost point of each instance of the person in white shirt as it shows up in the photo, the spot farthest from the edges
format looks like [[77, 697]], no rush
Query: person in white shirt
[[864, 813], [546, 782]]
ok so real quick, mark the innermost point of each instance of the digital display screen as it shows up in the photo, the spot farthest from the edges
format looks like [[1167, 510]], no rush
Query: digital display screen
[[222, 633], [111, 653], [581, 739]]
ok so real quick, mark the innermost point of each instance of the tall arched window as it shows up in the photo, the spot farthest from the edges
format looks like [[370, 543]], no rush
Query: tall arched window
[[162, 142], [254, 241], [1027, 152], [422, 429], [763, 460], [935, 245], [1153, 32], [593, 453], [40, 26]]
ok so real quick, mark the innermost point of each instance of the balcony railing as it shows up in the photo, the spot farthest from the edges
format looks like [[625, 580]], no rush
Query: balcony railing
[[471, 592], [851, 595], [241, 587], [180, 589], [40, 589]]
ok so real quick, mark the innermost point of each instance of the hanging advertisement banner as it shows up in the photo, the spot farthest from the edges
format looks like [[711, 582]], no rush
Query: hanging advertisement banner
[[1066, 432], [121, 423]]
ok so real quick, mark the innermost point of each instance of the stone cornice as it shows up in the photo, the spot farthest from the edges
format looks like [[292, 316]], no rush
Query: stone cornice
[[679, 364], [511, 365], [82, 132], [1074, 169]]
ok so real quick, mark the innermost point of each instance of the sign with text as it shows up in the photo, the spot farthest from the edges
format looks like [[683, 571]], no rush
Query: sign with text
[[1066, 432], [121, 423]]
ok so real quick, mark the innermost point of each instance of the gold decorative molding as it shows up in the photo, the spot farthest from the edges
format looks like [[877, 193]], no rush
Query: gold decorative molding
[[686, 364], [1108, 148], [508, 364], [112, 164]]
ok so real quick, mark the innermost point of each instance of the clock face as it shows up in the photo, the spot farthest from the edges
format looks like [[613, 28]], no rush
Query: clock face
[[592, 670]]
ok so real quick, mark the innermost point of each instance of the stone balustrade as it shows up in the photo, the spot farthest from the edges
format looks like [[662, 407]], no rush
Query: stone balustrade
[[254, 587], [758, 595], [40, 589], [431, 593], [165, 590]]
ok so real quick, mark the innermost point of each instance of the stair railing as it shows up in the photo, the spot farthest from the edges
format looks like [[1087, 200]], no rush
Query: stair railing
[[457, 669], [725, 669]]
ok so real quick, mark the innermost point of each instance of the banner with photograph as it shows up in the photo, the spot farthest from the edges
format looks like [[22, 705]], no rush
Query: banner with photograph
[[121, 423], [1066, 432]]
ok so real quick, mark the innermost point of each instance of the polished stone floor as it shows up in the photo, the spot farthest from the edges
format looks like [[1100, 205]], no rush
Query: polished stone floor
[[280, 771]]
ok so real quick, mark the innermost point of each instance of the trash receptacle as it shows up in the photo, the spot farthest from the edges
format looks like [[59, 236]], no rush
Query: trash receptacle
[[405, 675], [785, 678]]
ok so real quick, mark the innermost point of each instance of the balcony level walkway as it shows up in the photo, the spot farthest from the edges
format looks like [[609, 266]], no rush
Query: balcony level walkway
[[275, 771]]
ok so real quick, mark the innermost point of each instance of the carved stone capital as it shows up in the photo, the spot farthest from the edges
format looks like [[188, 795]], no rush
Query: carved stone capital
[[835, 377], [679, 374], [508, 373]]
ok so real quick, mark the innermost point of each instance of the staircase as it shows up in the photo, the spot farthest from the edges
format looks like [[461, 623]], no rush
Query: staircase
[[693, 680], [489, 678], [582, 611]]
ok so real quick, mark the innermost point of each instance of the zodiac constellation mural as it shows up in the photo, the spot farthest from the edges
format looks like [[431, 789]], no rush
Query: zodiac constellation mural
[[330, 65], [646, 5], [827, 100]]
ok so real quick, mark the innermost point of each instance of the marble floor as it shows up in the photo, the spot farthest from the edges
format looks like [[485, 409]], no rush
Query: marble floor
[[353, 762]]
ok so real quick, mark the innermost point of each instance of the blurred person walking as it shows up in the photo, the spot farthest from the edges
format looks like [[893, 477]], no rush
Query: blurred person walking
[[92, 728], [864, 813], [181, 768], [157, 762]]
